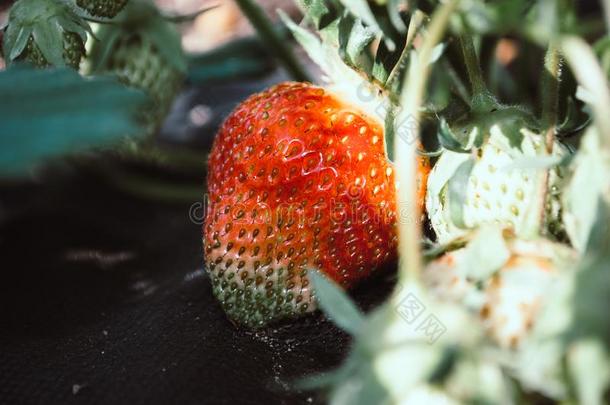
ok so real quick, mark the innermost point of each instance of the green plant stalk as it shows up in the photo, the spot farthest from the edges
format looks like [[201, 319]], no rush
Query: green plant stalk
[[269, 35], [550, 106], [412, 98], [550, 90], [473, 67]]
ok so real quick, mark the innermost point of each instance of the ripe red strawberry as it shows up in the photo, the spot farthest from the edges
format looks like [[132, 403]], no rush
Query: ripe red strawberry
[[298, 179]]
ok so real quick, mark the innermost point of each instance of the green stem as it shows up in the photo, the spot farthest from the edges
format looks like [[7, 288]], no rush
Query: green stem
[[412, 97], [460, 87], [269, 35], [550, 92], [550, 107], [480, 94]]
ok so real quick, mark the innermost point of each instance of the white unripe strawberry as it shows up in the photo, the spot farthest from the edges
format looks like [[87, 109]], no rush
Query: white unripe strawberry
[[501, 189], [509, 296]]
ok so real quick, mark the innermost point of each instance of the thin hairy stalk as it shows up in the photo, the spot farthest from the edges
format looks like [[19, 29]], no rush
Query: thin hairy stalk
[[412, 97], [550, 104], [480, 94]]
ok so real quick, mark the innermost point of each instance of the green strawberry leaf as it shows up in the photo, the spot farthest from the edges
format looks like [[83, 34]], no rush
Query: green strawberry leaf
[[336, 304], [457, 190], [51, 112]]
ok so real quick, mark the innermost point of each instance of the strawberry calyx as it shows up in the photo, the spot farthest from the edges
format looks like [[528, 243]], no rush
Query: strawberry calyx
[[45, 32], [473, 130], [144, 51]]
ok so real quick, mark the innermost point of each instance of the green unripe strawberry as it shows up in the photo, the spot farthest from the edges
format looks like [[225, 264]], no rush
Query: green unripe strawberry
[[72, 54], [102, 8], [144, 51], [45, 33], [498, 183], [138, 63]]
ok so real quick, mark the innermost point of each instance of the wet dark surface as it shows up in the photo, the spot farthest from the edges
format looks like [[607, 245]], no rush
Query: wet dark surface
[[103, 300]]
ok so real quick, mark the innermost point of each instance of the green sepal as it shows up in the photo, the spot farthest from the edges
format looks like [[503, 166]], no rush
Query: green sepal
[[574, 121], [361, 9], [385, 60], [474, 129], [50, 41], [390, 133], [78, 27], [353, 38], [457, 188], [336, 304], [448, 140], [315, 11], [100, 53], [19, 43], [46, 22]]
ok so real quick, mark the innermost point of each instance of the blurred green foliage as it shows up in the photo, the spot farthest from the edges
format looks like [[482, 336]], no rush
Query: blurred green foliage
[[50, 112]]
